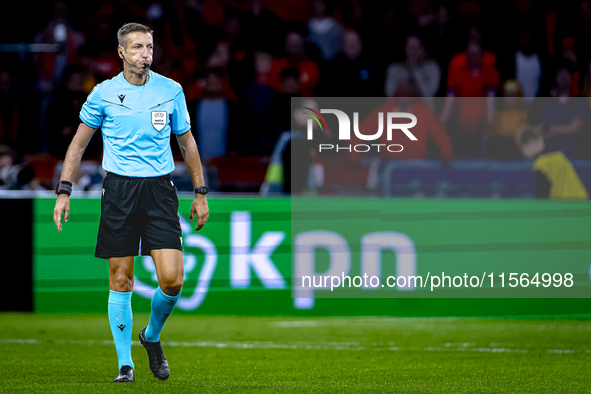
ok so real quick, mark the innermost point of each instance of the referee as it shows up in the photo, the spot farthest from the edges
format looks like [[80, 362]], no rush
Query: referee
[[136, 111]]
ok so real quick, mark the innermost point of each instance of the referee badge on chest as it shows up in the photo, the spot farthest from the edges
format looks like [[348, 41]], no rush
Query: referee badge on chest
[[159, 120]]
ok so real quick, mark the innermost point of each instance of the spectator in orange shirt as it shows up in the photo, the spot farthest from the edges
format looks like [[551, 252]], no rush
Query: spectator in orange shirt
[[471, 74], [295, 57], [427, 127]]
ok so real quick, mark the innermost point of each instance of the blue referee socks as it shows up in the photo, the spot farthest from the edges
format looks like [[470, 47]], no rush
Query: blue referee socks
[[121, 321], [162, 306]]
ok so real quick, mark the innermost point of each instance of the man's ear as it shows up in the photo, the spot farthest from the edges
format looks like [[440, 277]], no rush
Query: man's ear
[[119, 51]]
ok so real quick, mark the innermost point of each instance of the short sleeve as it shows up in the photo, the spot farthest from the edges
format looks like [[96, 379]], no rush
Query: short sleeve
[[180, 120], [91, 113]]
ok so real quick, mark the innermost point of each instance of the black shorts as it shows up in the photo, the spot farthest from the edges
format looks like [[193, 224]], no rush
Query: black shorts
[[134, 209]]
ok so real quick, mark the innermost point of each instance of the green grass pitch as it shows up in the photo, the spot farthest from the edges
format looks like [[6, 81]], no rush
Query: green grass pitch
[[75, 354]]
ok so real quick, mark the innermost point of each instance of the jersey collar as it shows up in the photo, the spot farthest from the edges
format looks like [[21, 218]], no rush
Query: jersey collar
[[127, 83]]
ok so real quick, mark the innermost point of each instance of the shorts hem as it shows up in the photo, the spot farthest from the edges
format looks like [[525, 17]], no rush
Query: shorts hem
[[147, 251], [110, 255]]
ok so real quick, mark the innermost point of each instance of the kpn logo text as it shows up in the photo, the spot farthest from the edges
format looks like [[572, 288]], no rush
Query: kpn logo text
[[392, 120]]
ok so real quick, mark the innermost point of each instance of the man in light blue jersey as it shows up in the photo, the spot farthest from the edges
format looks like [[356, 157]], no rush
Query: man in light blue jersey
[[137, 110]]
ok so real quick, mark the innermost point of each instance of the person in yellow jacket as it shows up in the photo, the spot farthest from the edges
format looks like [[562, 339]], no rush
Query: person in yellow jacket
[[555, 176]]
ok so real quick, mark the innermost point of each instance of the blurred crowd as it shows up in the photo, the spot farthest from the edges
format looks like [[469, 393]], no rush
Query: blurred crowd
[[240, 63]]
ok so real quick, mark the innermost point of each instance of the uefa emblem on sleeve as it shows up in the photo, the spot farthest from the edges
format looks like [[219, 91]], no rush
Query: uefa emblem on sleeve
[[159, 120]]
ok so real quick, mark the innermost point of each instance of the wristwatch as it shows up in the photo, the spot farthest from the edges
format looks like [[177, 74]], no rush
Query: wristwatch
[[64, 187], [202, 190]]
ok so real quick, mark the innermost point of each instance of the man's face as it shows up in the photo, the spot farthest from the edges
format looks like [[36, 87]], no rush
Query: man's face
[[352, 45], [563, 79], [291, 85], [319, 8], [139, 52], [414, 50], [294, 44], [474, 56], [262, 62], [213, 84]]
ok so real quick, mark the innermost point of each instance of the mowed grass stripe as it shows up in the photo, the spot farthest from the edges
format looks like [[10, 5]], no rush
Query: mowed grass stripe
[[340, 346]]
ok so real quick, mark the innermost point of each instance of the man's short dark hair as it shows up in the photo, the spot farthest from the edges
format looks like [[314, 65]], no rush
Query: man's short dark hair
[[290, 72], [131, 28]]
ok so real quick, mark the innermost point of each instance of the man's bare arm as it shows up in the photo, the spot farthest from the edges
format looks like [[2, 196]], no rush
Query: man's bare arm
[[75, 152], [191, 156], [71, 164]]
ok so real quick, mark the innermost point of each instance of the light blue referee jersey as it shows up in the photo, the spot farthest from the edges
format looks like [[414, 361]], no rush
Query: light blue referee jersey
[[136, 123]]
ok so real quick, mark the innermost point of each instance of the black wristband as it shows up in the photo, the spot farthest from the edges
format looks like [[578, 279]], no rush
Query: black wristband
[[64, 187]]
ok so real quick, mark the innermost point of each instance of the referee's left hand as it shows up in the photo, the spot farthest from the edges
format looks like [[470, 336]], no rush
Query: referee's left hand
[[201, 210], [62, 205]]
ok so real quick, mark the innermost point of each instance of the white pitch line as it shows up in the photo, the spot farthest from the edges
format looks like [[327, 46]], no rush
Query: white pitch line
[[351, 346], [21, 341], [297, 323]]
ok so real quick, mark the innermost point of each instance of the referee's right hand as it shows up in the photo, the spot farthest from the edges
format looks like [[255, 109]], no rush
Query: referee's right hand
[[62, 205]]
